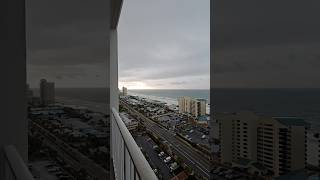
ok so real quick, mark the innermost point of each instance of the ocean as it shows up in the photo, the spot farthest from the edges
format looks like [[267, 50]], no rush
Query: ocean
[[303, 103], [174, 93]]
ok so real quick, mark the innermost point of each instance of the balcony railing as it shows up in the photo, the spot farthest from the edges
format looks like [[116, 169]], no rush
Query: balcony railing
[[15, 167], [128, 161]]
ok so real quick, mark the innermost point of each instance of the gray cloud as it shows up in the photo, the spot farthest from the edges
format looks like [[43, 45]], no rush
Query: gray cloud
[[266, 43], [161, 48], [179, 83], [66, 42]]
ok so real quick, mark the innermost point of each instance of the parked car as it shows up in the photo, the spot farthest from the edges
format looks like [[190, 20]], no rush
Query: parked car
[[173, 166], [155, 171], [167, 159], [161, 154]]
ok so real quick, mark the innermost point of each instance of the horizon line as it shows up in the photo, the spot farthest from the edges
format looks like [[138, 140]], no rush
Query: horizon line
[[189, 88]]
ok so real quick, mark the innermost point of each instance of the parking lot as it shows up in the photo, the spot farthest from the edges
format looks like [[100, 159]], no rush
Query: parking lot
[[48, 170], [222, 173], [151, 150], [198, 135]]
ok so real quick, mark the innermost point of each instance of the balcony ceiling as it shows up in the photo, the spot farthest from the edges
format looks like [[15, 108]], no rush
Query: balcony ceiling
[[116, 6]]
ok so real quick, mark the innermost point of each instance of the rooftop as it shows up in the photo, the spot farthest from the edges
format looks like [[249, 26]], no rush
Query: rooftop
[[243, 162], [203, 118], [201, 99]]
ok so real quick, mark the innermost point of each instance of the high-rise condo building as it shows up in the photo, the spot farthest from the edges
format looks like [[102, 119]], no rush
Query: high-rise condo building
[[285, 140], [278, 143], [124, 91], [47, 92], [189, 105]]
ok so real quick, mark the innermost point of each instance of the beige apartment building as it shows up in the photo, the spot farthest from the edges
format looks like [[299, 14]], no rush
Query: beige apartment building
[[124, 91], [278, 143], [189, 105]]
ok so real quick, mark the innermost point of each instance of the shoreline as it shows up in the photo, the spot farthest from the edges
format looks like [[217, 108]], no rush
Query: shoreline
[[169, 101]]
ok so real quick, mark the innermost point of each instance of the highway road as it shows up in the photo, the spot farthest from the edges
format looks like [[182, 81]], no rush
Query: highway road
[[72, 156], [191, 156]]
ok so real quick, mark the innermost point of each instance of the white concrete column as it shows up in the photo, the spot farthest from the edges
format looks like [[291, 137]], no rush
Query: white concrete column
[[13, 122], [114, 92]]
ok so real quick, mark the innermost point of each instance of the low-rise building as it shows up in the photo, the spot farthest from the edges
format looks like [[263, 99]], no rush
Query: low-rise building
[[131, 123], [203, 120]]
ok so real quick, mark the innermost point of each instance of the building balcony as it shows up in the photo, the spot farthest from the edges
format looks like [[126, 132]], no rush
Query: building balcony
[[14, 166], [128, 160]]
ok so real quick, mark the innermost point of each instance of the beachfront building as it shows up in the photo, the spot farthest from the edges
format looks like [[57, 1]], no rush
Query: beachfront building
[[313, 149], [237, 136], [277, 143], [131, 124], [192, 106], [47, 92], [282, 139], [124, 91]]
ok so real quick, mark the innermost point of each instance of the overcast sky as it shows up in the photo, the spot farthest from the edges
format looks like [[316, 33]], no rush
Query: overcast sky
[[165, 43], [267, 43], [162, 44]]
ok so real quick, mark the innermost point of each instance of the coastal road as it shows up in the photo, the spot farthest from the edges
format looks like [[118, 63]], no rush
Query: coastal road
[[71, 155], [191, 156]]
